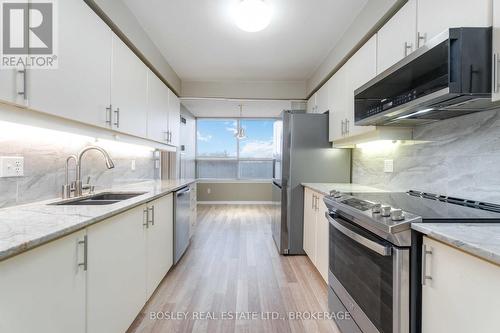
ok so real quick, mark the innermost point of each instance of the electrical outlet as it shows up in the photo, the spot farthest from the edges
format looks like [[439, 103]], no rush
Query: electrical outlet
[[132, 165], [11, 166], [388, 166]]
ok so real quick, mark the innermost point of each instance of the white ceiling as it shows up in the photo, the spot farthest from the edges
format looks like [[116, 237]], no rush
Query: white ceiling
[[201, 42], [230, 107]]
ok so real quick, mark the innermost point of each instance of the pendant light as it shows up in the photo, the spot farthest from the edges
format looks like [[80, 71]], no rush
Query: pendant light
[[240, 133]]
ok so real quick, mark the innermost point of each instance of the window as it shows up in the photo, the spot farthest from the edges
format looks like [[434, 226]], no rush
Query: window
[[220, 155]]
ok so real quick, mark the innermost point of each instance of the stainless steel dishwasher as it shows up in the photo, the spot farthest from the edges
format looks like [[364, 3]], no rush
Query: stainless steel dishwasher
[[182, 213]]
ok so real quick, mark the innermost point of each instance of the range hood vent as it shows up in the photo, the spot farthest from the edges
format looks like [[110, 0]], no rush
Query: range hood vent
[[448, 77]]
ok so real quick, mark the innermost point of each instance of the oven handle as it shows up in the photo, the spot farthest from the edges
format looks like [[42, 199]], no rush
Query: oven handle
[[385, 251]]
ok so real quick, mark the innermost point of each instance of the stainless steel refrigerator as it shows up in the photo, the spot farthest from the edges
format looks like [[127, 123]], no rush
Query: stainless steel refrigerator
[[302, 154]]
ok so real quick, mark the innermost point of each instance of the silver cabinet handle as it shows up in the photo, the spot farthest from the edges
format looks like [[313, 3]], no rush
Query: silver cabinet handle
[[84, 242], [347, 126], [342, 127], [312, 202], [152, 210], [23, 93], [165, 136], [117, 114], [385, 251], [317, 203], [408, 48], [145, 222], [425, 252], [421, 37], [170, 136], [108, 114]]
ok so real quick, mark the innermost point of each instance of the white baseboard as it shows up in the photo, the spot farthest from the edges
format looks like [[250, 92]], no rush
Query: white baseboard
[[235, 202]]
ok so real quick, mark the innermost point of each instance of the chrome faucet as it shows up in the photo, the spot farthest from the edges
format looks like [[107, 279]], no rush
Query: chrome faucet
[[76, 186], [78, 181]]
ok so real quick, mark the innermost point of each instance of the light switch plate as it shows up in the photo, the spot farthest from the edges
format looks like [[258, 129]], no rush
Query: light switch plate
[[11, 166], [388, 166]]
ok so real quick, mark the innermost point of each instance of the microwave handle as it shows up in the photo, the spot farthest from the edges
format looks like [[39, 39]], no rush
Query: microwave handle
[[385, 251]]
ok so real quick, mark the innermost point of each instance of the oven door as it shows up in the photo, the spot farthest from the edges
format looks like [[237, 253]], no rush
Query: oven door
[[370, 276]]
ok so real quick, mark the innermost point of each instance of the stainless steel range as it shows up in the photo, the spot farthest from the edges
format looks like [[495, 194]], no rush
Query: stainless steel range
[[375, 259]]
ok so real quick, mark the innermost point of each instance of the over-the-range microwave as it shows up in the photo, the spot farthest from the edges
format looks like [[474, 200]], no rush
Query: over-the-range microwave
[[448, 77]]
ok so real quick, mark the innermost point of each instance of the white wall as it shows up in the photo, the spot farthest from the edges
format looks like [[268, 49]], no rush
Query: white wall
[[245, 89]]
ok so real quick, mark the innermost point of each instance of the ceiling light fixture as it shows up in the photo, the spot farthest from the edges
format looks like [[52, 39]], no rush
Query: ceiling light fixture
[[240, 132], [253, 15]]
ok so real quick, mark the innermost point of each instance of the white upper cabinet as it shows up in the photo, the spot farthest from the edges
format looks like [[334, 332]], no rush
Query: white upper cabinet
[[43, 290], [496, 51], [174, 118], [158, 108], [311, 104], [129, 85], [79, 88], [361, 68], [322, 99], [435, 16], [12, 86], [337, 104], [397, 38]]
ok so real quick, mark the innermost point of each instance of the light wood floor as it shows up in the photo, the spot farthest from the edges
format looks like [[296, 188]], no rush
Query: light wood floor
[[232, 265]]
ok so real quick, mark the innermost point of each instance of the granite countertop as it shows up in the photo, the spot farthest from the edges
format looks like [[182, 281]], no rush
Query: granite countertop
[[27, 226], [479, 239], [325, 188]]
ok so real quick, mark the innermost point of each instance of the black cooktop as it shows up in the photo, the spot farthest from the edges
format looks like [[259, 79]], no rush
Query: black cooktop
[[432, 208]]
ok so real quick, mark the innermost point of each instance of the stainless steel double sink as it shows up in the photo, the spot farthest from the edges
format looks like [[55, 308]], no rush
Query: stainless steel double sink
[[106, 198]]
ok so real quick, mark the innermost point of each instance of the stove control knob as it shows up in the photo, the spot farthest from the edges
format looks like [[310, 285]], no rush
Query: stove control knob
[[385, 211], [376, 208], [397, 215]]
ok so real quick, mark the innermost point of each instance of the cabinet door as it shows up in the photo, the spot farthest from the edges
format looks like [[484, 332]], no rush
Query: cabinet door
[[11, 84], [338, 104], [79, 88], [463, 295], [157, 108], [361, 68], [496, 51], [433, 17], [310, 224], [160, 241], [116, 275], [129, 82], [322, 99], [311, 104], [397, 38], [322, 239], [174, 118], [43, 290]]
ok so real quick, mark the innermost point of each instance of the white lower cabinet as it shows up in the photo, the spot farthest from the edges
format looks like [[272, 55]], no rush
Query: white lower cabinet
[[116, 279], [310, 224], [159, 240], [43, 290], [462, 294], [316, 231]]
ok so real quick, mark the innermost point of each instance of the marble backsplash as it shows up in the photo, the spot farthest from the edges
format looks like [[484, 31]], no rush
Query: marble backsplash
[[461, 157], [45, 156]]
